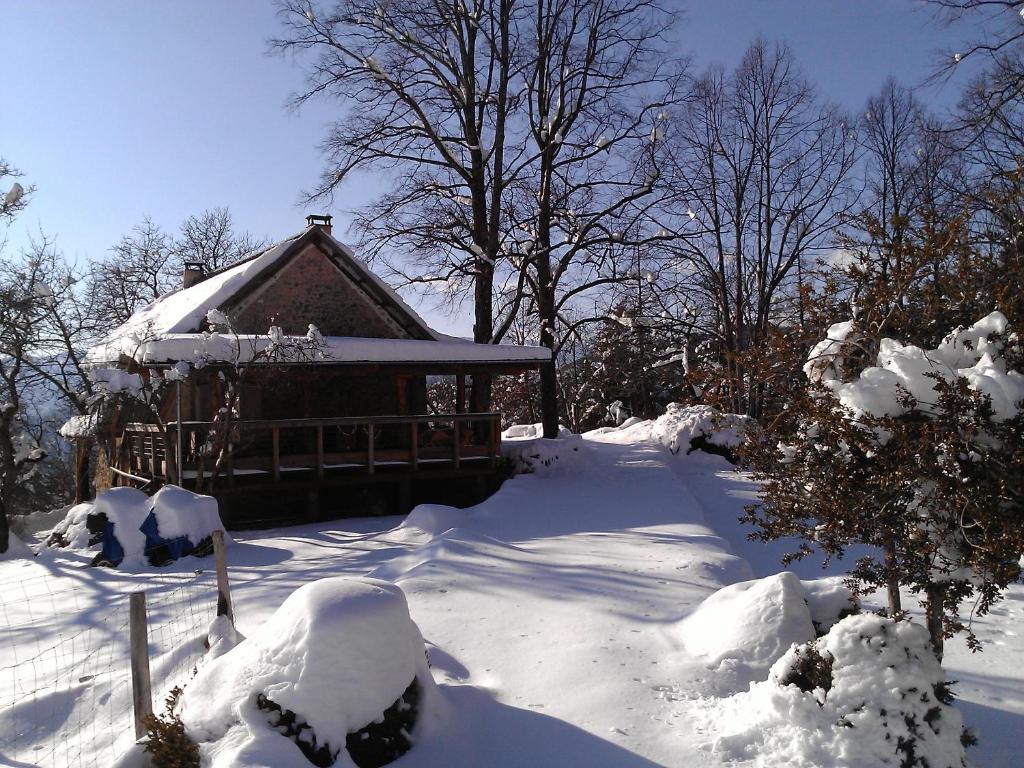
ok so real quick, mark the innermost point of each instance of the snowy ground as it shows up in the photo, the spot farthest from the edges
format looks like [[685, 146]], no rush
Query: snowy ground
[[553, 612]]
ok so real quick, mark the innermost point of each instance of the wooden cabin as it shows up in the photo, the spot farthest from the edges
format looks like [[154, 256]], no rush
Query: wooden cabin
[[339, 425]]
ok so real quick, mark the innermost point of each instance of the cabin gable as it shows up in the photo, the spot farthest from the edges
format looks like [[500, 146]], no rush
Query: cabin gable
[[311, 288]]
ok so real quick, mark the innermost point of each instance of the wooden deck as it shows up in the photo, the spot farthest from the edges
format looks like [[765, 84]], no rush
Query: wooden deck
[[272, 448], [272, 458]]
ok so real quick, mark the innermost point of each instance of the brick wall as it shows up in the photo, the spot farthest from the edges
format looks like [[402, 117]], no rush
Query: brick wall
[[311, 289]]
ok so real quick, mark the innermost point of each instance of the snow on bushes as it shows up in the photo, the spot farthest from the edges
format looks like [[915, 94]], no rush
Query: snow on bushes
[[133, 527], [744, 628], [530, 432], [339, 666], [528, 455], [974, 354], [683, 428], [869, 693]]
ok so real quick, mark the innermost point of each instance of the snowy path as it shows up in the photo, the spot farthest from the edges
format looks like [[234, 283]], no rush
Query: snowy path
[[549, 609]]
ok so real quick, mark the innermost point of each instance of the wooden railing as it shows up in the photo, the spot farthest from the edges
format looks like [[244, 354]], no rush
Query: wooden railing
[[314, 446]]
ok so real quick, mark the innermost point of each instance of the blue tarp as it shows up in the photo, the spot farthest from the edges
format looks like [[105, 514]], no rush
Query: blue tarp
[[166, 549]]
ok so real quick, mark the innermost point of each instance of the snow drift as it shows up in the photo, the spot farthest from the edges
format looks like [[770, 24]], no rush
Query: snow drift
[[337, 654]]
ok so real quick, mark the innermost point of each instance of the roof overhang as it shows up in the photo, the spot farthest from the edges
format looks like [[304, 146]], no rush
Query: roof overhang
[[200, 349]]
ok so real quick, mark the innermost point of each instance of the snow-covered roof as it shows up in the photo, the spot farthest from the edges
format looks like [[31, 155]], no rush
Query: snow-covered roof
[[169, 329], [208, 347]]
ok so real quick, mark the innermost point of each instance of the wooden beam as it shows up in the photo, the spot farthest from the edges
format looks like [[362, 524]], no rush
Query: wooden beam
[[320, 451], [275, 465], [224, 604], [414, 444], [142, 686], [369, 448]]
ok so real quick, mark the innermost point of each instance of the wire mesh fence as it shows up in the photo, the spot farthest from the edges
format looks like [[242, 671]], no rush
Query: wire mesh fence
[[65, 668]]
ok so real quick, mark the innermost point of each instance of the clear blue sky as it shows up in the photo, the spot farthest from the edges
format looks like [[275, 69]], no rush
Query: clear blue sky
[[117, 110]]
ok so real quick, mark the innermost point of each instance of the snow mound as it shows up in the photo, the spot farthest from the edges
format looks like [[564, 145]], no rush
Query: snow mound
[[181, 513], [126, 509], [540, 455], [131, 525], [970, 354], [531, 432], [750, 624], [16, 549], [434, 519], [455, 545], [73, 530], [873, 694], [683, 428], [828, 600], [338, 653]]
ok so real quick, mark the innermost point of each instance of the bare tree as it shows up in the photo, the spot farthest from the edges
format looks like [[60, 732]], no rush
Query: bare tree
[[600, 87], [210, 239], [148, 262], [15, 197], [996, 48], [427, 89], [137, 271], [19, 448], [761, 168]]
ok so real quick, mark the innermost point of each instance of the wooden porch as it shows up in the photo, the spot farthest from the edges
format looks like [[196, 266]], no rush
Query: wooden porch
[[304, 456]]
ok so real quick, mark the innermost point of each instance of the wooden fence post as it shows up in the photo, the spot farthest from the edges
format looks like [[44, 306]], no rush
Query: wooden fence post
[[224, 607], [142, 686]]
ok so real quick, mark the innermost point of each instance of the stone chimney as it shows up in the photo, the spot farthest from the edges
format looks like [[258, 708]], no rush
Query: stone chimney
[[192, 274], [321, 220]]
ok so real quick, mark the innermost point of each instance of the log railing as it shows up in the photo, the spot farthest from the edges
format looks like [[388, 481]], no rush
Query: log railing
[[277, 447]]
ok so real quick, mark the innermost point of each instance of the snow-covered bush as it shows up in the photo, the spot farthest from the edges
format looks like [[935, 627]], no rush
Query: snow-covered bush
[[741, 630], [689, 428], [134, 528], [920, 456], [869, 693], [529, 453], [338, 668], [684, 429]]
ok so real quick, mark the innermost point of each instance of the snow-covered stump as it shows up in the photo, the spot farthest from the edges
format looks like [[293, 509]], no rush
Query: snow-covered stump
[[336, 674]]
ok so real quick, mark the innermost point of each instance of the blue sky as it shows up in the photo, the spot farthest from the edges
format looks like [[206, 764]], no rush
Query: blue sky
[[117, 110]]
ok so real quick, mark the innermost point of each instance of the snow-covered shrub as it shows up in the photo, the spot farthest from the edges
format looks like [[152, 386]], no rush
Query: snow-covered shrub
[[537, 455], [919, 456], [688, 428], [869, 693], [340, 665], [741, 630], [684, 429], [530, 432], [77, 530], [134, 528]]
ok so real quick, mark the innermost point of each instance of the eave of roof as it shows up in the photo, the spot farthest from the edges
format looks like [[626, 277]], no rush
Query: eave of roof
[[214, 348]]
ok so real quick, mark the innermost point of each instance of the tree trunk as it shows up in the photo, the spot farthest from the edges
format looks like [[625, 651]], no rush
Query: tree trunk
[[483, 329], [548, 373], [933, 616], [892, 586], [4, 532]]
